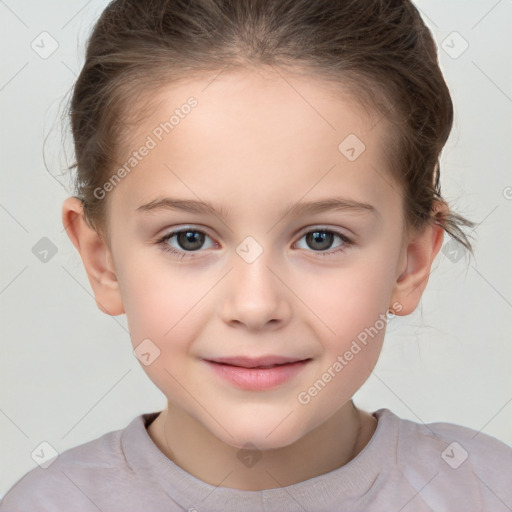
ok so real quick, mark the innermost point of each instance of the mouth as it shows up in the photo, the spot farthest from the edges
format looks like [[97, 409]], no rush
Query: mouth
[[257, 374], [260, 362]]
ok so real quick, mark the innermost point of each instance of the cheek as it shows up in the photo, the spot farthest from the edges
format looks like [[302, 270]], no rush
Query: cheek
[[351, 330], [352, 303], [346, 300], [165, 306], [162, 319], [158, 296]]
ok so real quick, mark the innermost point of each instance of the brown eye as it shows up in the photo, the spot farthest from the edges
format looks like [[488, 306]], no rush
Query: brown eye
[[321, 240], [185, 241], [190, 240]]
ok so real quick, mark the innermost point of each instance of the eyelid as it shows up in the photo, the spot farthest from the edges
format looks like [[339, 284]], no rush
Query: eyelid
[[320, 227], [175, 231], [301, 232], [185, 227], [347, 242]]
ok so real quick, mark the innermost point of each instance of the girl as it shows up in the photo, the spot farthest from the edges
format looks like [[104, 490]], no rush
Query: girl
[[258, 191]]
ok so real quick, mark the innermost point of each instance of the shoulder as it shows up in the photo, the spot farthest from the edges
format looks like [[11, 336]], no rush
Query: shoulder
[[458, 461], [76, 476], [454, 444]]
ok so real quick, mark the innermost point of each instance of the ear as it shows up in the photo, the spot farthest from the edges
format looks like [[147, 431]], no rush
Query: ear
[[96, 257], [416, 262]]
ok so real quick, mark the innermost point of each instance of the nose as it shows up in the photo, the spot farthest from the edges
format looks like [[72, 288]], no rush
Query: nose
[[254, 294]]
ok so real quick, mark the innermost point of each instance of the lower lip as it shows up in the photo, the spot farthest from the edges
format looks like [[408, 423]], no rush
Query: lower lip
[[257, 379]]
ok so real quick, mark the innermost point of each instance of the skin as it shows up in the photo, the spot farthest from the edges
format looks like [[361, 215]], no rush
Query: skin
[[253, 145]]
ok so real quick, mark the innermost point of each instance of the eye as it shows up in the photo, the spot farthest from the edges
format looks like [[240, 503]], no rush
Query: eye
[[321, 239], [190, 240], [187, 240]]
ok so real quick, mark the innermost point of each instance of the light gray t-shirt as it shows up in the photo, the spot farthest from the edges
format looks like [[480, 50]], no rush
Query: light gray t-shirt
[[406, 467]]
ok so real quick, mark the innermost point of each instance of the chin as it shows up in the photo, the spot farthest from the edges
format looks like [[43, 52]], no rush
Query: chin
[[261, 435]]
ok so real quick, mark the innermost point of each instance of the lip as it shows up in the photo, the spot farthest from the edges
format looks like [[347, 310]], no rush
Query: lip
[[253, 362], [249, 374]]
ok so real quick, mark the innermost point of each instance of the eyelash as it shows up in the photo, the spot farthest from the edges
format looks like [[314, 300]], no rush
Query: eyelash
[[162, 242]]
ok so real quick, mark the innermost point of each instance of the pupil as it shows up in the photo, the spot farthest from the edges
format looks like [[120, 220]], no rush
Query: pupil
[[190, 237], [325, 239], [196, 239]]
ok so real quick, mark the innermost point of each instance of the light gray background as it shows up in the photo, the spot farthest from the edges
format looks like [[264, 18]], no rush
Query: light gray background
[[67, 371]]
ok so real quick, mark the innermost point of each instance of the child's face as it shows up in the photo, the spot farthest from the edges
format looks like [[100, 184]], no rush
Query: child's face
[[255, 146]]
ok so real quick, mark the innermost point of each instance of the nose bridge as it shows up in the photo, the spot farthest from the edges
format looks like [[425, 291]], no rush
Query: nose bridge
[[252, 268], [254, 294]]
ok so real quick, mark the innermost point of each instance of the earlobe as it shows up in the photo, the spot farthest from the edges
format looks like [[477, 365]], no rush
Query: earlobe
[[96, 257], [412, 277]]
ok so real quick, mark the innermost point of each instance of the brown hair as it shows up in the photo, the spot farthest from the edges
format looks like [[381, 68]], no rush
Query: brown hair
[[380, 50]]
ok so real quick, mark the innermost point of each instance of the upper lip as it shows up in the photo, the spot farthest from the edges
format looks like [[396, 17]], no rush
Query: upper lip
[[250, 362]]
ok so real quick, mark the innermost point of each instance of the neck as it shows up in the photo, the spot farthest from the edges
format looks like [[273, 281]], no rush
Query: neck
[[329, 446]]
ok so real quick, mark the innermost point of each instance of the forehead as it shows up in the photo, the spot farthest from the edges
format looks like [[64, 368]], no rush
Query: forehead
[[251, 134]]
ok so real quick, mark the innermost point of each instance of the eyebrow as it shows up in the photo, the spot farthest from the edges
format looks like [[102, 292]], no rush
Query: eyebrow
[[297, 209]]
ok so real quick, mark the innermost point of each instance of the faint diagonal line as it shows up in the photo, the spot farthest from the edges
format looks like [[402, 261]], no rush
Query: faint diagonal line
[[389, 182], [215, 77], [76, 14], [3, 2], [491, 491], [310, 189], [14, 423], [492, 81], [14, 76], [423, 423], [486, 14], [13, 279], [277, 71], [381, 117], [428, 17], [424, 279], [47, 169], [199, 403], [103, 396], [216, 487], [491, 285], [405, 504], [81, 490], [283, 487], [204, 295], [280, 423], [485, 218], [69, 68], [56, 180], [477, 225], [77, 217], [506, 403], [14, 218], [300, 300], [92, 296], [200, 199], [185, 509]]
